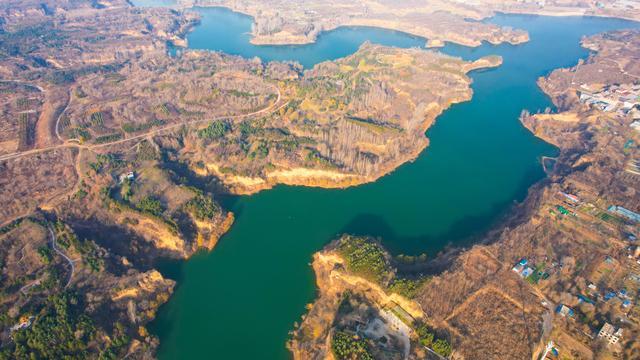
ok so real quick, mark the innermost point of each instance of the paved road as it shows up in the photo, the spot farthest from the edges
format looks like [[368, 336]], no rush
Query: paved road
[[29, 285], [61, 115], [74, 143], [55, 248]]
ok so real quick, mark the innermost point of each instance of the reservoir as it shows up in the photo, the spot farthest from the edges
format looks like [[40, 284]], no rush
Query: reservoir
[[240, 300]]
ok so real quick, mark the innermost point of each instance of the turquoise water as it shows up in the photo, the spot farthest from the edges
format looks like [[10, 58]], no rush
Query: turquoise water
[[240, 300], [331, 45]]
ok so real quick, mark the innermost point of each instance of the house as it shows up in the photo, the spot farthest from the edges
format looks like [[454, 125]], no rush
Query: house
[[517, 269], [635, 217], [627, 106], [609, 295], [570, 197], [623, 294], [526, 272], [25, 322], [564, 310], [550, 352], [609, 333], [127, 176], [522, 269], [610, 107], [563, 210]]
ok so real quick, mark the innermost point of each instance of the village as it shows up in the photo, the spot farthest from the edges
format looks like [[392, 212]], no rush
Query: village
[[612, 281], [595, 287], [590, 209], [622, 99]]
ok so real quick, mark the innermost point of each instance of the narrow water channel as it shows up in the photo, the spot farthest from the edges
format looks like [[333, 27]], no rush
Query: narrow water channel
[[240, 300]]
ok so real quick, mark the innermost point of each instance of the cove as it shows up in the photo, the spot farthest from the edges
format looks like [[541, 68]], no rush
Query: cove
[[240, 300]]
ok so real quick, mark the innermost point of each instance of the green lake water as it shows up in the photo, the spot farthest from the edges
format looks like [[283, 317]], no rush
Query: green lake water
[[241, 300]]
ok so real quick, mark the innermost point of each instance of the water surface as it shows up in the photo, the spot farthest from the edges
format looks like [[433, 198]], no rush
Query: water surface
[[240, 300], [330, 45]]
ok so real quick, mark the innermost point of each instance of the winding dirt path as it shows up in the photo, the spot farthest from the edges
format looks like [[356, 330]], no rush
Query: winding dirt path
[[57, 126]]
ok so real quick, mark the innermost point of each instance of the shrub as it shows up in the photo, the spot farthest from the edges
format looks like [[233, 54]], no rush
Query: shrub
[[202, 207], [102, 160], [130, 127], [90, 251], [45, 254], [364, 257], [108, 138], [151, 205], [146, 152], [246, 128], [215, 130], [442, 347], [348, 347], [80, 194], [428, 339], [96, 119], [12, 225], [80, 133], [406, 287]]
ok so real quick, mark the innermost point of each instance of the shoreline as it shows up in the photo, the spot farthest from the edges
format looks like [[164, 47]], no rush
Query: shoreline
[[186, 224], [522, 234], [328, 179], [301, 40], [534, 191], [434, 41]]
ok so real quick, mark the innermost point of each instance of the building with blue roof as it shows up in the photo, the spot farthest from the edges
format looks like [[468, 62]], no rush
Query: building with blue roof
[[633, 216], [564, 310]]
